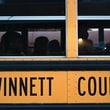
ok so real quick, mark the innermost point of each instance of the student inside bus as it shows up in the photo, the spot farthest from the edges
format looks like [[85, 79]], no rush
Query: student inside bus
[[41, 46], [11, 44], [54, 47], [85, 45]]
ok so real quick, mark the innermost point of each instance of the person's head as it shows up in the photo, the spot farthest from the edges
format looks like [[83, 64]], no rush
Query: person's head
[[11, 42], [41, 45], [54, 45]]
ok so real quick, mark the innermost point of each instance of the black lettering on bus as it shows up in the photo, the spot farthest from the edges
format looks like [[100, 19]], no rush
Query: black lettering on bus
[[23, 86], [32, 85], [92, 89], [81, 93], [50, 85], [5, 87], [102, 93], [41, 85], [13, 86]]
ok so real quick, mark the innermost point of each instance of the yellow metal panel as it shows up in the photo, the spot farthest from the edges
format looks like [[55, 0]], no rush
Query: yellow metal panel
[[89, 87], [42, 87], [55, 87], [71, 28]]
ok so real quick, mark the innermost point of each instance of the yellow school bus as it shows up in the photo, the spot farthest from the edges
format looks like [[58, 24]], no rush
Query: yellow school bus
[[54, 53]]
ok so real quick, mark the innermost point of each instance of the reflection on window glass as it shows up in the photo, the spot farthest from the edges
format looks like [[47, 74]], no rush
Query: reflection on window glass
[[40, 42], [94, 41]]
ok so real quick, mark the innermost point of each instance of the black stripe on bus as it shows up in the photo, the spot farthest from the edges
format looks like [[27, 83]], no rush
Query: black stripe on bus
[[86, 106], [54, 65]]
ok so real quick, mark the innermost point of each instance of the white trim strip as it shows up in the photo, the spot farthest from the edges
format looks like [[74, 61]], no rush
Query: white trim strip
[[18, 57], [5, 17], [93, 56], [12, 18], [93, 17]]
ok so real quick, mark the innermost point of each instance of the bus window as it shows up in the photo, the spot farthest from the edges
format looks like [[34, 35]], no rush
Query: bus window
[[42, 38], [93, 38], [93, 27], [32, 28]]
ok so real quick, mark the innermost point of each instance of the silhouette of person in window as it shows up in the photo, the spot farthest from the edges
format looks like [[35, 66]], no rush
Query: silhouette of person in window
[[41, 46], [11, 43], [86, 46], [54, 47]]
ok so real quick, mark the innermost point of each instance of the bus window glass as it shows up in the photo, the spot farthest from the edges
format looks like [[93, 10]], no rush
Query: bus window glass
[[46, 38], [93, 7], [94, 42]]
